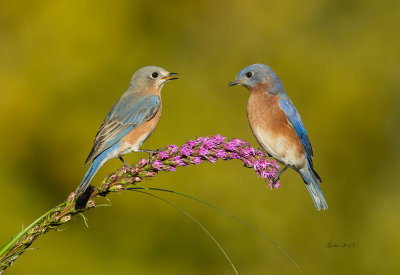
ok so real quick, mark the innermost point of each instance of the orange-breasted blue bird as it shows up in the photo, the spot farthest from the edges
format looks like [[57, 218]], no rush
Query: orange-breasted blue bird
[[277, 126], [130, 121]]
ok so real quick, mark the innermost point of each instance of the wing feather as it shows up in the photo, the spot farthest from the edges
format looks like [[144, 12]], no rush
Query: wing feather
[[123, 117]]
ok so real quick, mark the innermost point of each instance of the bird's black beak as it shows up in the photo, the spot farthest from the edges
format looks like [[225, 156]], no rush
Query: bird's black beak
[[235, 82], [170, 76]]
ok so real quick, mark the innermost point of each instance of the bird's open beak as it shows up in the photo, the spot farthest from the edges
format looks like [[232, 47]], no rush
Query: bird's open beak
[[170, 76], [235, 82]]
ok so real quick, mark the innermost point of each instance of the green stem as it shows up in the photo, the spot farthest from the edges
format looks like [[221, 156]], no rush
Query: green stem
[[16, 238]]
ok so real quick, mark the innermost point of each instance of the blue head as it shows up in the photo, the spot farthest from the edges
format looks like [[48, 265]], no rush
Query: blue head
[[259, 76]]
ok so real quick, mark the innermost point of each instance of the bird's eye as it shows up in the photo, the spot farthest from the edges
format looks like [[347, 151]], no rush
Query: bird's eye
[[154, 75], [249, 74]]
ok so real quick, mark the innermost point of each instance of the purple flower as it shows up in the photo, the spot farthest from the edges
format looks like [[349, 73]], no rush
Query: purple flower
[[247, 162], [220, 154], [197, 160], [266, 173], [178, 161], [157, 164], [134, 170], [142, 162], [212, 159], [271, 173], [247, 152], [173, 148], [263, 164], [211, 142], [238, 142], [234, 155], [199, 140], [186, 150], [262, 173], [231, 146], [218, 139], [191, 143], [150, 174], [203, 151], [171, 168], [260, 153], [272, 162], [163, 155]]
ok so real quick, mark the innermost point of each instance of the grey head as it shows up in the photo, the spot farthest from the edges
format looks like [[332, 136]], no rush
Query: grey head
[[257, 75], [150, 78]]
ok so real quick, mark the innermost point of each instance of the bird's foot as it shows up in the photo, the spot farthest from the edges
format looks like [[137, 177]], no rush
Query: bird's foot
[[265, 152], [126, 164], [129, 167], [277, 175]]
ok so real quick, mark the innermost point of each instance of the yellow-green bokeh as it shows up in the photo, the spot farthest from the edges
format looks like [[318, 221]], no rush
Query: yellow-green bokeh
[[64, 63]]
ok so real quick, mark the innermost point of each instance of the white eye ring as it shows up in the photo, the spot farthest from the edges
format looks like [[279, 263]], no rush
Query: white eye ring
[[154, 75]]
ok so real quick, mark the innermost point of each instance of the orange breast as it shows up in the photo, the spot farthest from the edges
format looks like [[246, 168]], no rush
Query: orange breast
[[139, 135], [272, 130]]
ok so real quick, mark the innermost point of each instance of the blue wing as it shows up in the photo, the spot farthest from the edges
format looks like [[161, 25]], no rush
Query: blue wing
[[127, 114], [295, 121]]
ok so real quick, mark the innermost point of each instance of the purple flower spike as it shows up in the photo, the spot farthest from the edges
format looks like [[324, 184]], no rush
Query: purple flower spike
[[231, 146], [218, 139], [142, 162], [173, 148], [191, 143], [150, 174], [178, 161], [212, 159], [163, 155], [186, 150], [197, 160], [208, 149], [200, 140], [157, 164], [234, 156], [220, 154], [203, 151], [247, 162], [211, 142], [259, 153], [171, 169], [247, 152]]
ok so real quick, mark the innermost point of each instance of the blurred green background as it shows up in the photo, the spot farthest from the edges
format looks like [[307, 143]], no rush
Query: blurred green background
[[63, 64]]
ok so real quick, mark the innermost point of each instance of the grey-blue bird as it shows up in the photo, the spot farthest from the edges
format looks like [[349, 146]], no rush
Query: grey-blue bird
[[277, 126], [130, 121]]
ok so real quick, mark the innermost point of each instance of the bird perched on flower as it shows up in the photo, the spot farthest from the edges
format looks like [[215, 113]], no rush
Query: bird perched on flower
[[130, 121], [277, 126]]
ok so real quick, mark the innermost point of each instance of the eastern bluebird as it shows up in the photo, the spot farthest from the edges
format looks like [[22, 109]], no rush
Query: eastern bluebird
[[277, 126], [130, 121]]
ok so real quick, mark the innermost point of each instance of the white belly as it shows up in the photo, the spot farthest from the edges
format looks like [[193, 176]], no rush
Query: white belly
[[127, 148], [279, 148]]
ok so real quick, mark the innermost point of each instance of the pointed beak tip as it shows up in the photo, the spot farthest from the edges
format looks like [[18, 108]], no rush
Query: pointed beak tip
[[169, 76], [233, 83]]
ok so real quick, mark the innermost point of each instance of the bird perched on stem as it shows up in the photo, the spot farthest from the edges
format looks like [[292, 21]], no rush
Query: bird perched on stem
[[277, 126], [130, 121]]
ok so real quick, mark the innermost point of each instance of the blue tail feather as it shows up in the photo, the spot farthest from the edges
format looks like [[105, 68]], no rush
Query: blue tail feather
[[94, 167], [313, 188]]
